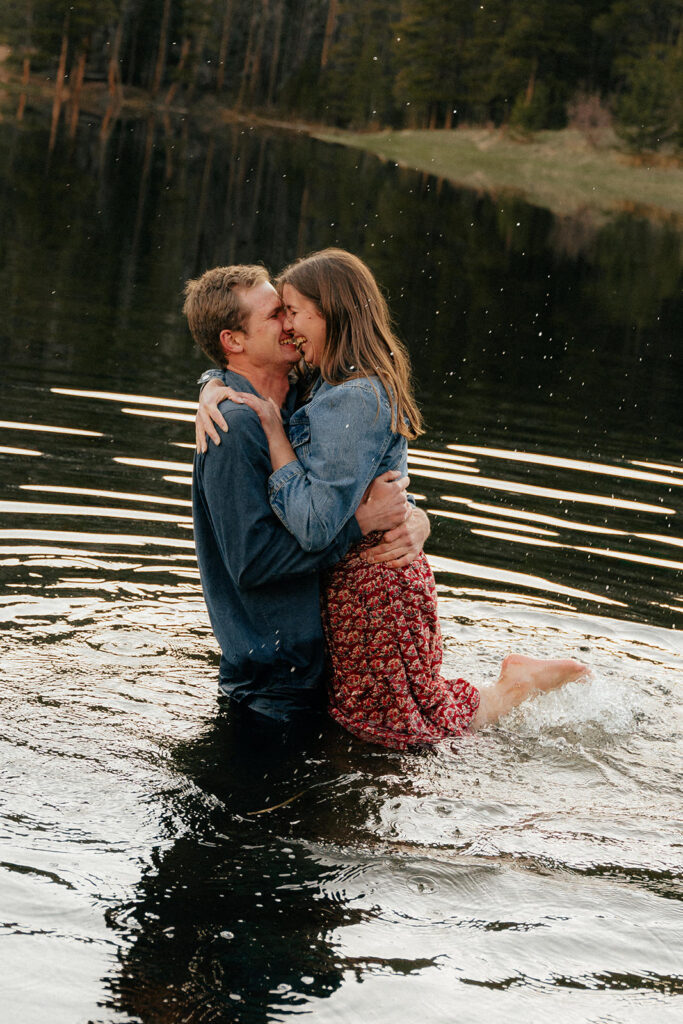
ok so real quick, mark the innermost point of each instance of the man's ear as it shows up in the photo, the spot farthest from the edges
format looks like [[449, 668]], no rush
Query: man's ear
[[230, 342]]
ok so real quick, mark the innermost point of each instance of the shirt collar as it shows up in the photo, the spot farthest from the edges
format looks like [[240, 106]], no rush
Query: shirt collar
[[240, 383]]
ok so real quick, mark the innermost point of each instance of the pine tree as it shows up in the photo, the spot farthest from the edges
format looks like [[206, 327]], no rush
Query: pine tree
[[431, 46], [357, 82]]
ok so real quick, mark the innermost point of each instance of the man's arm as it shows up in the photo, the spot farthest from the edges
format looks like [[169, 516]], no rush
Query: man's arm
[[401, 546]]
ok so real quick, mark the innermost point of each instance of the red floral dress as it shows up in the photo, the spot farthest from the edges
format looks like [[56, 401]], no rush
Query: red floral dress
[[384, 641]]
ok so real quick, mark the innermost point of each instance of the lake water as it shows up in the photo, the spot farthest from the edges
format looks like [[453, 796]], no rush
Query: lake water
[[159, 862]]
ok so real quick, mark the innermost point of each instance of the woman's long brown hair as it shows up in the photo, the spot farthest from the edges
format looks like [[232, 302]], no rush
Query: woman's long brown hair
[[359, 341]]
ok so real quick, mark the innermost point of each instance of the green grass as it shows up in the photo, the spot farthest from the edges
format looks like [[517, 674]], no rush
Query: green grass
[[557, 170]]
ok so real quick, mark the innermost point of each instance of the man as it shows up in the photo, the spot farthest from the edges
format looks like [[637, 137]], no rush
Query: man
[[260, 587]]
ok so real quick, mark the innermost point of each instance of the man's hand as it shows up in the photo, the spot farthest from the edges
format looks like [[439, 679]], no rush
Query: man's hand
[[401, 546], [208, 416], [384, 505]]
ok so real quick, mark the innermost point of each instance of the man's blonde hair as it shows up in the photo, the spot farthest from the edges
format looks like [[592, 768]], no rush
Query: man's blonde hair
[[213, 304]]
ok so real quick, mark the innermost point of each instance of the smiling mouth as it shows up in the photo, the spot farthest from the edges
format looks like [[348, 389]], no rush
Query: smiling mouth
[[299, 341]]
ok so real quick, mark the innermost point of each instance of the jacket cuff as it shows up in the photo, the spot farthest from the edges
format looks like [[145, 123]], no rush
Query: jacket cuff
[[282, 476], [210, 375]]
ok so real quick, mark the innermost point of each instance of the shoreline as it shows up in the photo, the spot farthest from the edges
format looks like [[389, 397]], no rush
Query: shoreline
[[558, 170]]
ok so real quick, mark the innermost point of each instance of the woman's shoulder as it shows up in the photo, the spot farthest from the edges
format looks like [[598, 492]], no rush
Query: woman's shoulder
[[359, 400], [353, 387]]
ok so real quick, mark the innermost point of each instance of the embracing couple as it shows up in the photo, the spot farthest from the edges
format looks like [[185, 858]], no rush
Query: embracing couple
[[310, 553]]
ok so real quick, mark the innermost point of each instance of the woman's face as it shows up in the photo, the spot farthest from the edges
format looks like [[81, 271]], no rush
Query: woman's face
[[308, 324]]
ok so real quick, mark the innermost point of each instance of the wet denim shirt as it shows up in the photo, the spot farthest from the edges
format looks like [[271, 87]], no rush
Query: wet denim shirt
[[342, 439], [260, 586]]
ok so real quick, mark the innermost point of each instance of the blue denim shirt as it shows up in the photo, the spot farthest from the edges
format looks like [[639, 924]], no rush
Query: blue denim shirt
[[260, 587], [342, 439]]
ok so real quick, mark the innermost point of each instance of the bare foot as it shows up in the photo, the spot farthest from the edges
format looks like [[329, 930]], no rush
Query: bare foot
[[520, 677], [538, 673]]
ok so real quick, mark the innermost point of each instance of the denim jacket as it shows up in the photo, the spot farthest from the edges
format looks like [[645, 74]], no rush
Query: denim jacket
[[342, 439]]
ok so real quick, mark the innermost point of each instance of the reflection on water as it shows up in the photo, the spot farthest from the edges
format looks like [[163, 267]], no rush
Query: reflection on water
[[164, 861]]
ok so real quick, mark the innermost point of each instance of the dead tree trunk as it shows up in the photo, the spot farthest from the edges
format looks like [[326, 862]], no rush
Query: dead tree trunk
[[330, 26], [247, 58], [257, 57], [275, 56], [77, 87], [223, 48], [59, 83], [163, 46], [25, 79], [175, 85]]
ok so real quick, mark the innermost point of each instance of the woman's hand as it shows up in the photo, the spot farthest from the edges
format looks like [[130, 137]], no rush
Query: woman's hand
[[208, 415], [268, 412], [266, 409]]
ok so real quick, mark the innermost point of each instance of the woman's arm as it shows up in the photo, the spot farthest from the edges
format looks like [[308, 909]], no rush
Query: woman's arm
[[209, 416], [350, 433], [383, 505]]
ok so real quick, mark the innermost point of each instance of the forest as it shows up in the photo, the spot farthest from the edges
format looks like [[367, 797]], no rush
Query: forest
[[529, 64]]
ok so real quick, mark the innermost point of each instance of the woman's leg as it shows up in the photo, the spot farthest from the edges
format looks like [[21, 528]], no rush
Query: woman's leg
[[521, 677]]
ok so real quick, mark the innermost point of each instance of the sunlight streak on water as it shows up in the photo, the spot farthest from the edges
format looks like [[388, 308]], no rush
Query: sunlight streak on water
[[154, 414], [657, 465], [516, 539], [520, 527], [18, 451], [415, 460], [110, 396], [536, 517], [495, 484], [94, 511], [152, 463], [595, 468], [92, 493], [437, 454], [42, 428], [483, 572], [94, 538], [628, 556]]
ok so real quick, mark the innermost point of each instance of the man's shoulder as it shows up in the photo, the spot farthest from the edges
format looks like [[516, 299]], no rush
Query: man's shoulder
[[244, 444]]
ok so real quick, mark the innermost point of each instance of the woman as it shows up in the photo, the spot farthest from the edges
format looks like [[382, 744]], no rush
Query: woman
[[381, 623]]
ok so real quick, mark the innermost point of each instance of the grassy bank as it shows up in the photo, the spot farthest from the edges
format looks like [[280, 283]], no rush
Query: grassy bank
[[557, 170]]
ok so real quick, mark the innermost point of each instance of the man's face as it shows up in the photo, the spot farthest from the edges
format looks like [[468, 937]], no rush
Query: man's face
[[265, 342]]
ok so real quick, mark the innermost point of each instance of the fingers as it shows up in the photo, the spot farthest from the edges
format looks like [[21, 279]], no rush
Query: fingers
[[387, 551], [392, 559], [210, 399], [400, 563], [218, 419], [204, 425], [245, 398], [400, 533], [234, 396], [388, 475], [393, 476]]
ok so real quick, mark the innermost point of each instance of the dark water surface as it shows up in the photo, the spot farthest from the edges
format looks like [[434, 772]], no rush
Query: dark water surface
[[162, 862]]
